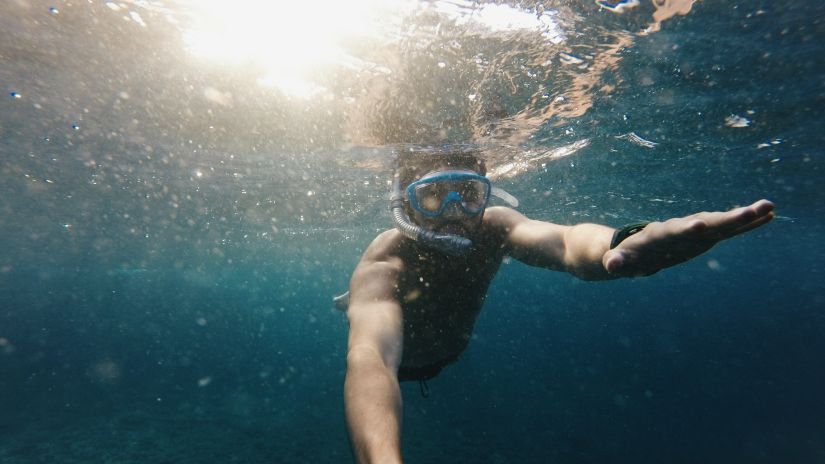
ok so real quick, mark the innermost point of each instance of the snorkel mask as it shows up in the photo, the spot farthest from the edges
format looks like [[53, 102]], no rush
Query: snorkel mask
[[450, 244], [432, 195]]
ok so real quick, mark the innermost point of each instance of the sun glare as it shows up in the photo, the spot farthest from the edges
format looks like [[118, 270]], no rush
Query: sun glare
[[289, 40], [295, 42]]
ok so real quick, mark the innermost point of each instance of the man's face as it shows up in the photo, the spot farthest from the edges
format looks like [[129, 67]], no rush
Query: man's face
[[449, 200]]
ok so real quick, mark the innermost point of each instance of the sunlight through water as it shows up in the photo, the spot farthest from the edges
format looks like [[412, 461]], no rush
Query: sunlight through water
[[290, 43]]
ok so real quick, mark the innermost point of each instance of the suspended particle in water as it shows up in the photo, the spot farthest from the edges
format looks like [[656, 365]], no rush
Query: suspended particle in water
[[54, 10], [737, 121], [105, 371], [6, 346]]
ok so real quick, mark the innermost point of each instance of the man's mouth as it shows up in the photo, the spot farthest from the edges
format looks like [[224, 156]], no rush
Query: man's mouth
[[452, 228]]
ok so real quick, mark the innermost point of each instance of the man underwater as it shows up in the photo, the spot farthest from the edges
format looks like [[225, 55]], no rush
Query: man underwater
[[417, 290]]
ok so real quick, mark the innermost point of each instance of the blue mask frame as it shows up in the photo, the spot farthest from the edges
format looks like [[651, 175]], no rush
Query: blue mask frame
[[451, 196]]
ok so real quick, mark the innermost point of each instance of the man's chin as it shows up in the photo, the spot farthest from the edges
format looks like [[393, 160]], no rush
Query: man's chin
[[453, 229]]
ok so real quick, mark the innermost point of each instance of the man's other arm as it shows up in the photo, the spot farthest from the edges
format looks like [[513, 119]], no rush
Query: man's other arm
[[584, 250], [577, 249], [372, 397]]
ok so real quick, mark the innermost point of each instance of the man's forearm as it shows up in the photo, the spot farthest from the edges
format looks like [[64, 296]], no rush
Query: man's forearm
[[372, 400], [585, 246]]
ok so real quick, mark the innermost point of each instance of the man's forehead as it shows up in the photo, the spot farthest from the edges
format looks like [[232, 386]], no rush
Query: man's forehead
[[445, 169], [446, 164]]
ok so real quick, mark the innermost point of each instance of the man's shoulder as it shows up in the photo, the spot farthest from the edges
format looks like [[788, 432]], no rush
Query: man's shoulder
[[390, 237], [384, 246], [501, 218], [501, 211]]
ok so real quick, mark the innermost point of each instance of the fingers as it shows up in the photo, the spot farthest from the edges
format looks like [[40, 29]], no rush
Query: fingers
[[753, 224], [762, 207], [748, 218], [722, 225], [616, 262], [612, 261], [758, 209]]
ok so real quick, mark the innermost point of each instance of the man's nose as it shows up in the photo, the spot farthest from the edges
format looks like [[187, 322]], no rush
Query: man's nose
[[453, 210]]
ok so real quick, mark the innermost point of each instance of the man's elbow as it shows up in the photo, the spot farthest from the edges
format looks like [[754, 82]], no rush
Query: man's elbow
[[366, 357]]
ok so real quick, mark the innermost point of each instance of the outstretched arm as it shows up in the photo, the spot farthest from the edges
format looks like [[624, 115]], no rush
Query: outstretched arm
[[372, 397], [583, 250]]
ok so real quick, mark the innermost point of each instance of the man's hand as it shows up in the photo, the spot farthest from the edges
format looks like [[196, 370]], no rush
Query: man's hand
[[664, 244]]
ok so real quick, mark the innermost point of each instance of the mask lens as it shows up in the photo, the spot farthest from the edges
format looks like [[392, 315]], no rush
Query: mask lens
[[429, 198], [433, 196], [473, 193]]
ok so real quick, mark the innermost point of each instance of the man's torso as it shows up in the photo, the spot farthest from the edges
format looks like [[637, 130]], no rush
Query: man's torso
[[441, 297]]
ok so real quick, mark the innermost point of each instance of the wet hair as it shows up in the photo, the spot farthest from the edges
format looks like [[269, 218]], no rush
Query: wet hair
[[412, 162]]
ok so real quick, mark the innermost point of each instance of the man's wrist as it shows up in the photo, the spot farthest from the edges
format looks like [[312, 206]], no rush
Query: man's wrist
[[624, 232]]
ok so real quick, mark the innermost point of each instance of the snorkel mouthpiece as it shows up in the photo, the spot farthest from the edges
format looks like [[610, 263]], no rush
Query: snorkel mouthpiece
[[449, 244]]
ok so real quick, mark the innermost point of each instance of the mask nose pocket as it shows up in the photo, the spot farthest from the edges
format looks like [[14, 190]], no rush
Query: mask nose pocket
[[453, 207]]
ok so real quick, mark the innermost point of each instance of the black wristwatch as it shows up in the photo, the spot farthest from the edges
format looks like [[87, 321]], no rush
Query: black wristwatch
[[620, 234]]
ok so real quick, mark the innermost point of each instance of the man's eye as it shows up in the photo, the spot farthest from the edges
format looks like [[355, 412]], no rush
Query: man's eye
[[469, 194], [430, 202]]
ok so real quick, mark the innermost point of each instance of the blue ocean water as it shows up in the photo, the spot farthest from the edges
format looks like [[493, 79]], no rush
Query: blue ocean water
[[174, 231]]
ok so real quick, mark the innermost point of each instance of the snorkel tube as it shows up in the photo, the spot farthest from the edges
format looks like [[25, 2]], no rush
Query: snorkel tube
[[449, 244]]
